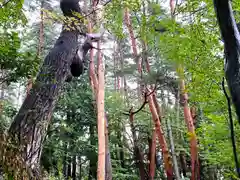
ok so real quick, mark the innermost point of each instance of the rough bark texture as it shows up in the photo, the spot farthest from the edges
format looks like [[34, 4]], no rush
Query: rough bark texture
[[33, 118], [231, 38], [30, 125]]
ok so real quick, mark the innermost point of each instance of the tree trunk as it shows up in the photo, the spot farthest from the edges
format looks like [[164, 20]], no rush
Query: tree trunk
[[29, 127], [120, 147], [69, 165], [152, 155], [191, 129], [231, 38], [172, 146], [65, 162], [183, 163], [161, 139], [108, 164], [93, 156], [80, 167], [137, 152], [74, 167]]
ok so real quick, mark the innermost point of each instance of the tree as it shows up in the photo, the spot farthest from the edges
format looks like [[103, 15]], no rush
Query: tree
[[29, 127]]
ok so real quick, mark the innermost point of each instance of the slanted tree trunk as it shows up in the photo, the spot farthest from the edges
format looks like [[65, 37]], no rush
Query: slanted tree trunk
[[29, 127], [231, 38], [162, 141], [155, 116]]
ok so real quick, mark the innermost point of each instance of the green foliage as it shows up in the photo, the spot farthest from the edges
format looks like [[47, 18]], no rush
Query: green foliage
[[16, 63], [192, 41]]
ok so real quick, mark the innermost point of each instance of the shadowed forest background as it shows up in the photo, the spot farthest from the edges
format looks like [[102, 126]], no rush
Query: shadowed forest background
[[150, 101]]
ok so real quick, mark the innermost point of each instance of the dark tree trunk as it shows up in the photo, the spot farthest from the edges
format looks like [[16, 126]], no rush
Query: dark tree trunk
[[183, 163], [149, 151], [74, 167], [121, 155], [137, 152], [93, 156], [231, 38], [69, 165], [80, 167], [65, 162], [30, 124], [108, 164]]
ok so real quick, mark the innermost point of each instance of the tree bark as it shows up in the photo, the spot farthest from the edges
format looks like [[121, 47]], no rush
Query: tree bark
[[191, 129], [108, 164], [101, 118], [231, 38], [152, 155], [74, 167], [93, 157], [80, 167], [172, 146], [65, 162], [29, 127]]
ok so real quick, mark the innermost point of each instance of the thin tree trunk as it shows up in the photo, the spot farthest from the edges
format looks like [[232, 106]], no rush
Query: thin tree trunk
[[191, 129], [80, 167], [101, 118], [137, 152], [152, 164], [183, 163], [172, 146], [74, 167], [134, 48], [108, 164], [65, 162], [156, 117], [120, 146], [93, 157], [69, 165], [161, 138]]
